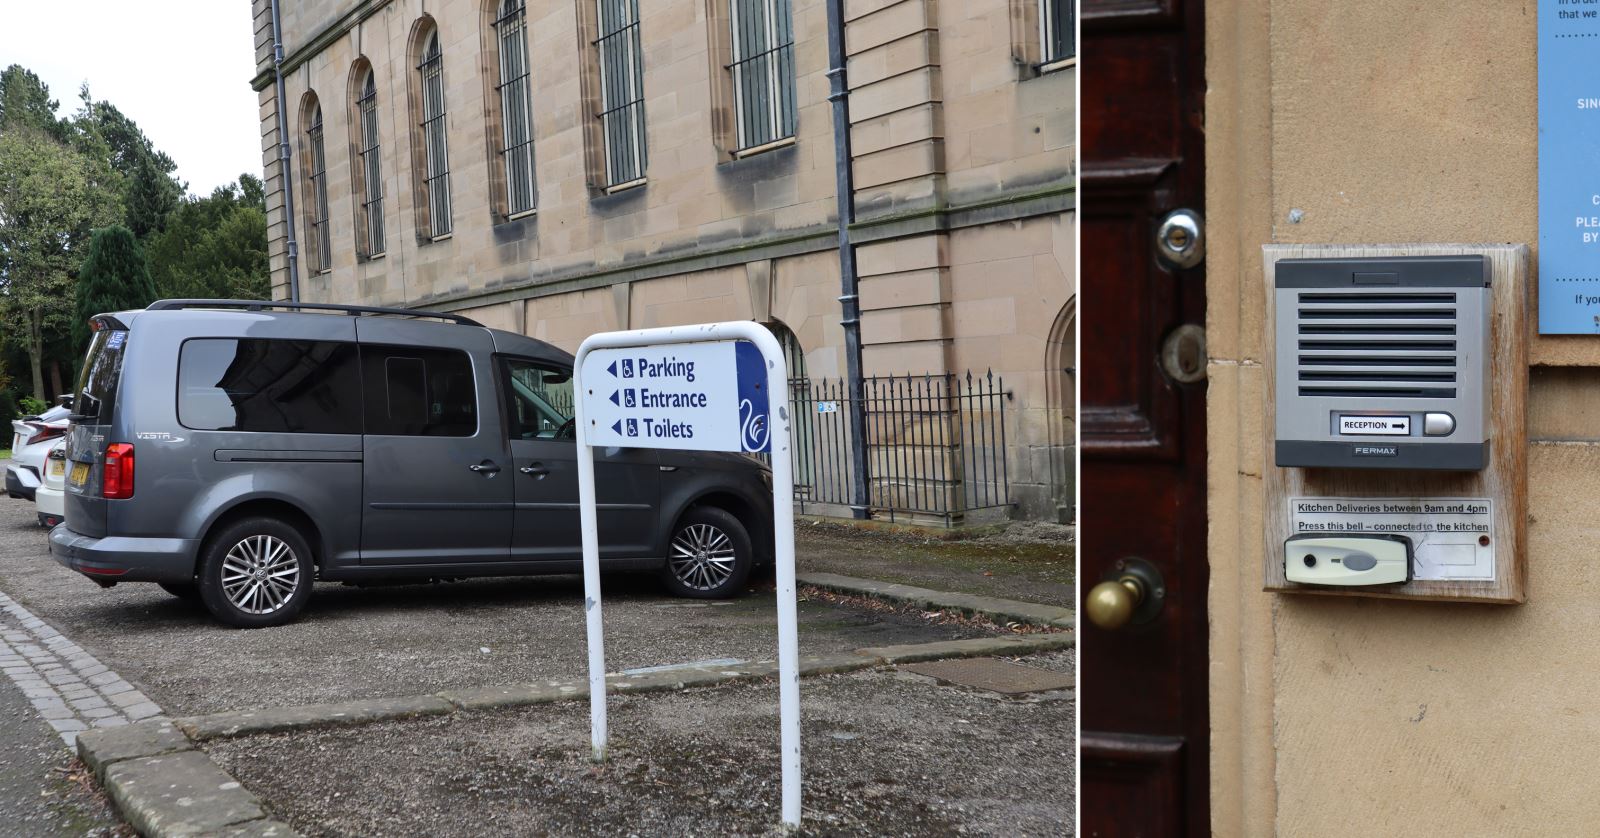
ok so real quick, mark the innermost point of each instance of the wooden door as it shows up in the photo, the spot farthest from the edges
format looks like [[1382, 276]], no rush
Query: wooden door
[[1145, 723]]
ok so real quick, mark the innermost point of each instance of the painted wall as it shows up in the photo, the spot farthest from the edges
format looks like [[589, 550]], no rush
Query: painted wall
[[1389, 122]]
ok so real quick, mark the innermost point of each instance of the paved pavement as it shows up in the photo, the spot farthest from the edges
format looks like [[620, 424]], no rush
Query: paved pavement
[[66, 686]]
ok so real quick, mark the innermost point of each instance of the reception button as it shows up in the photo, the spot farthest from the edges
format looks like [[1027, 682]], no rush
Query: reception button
[[1438, 424]]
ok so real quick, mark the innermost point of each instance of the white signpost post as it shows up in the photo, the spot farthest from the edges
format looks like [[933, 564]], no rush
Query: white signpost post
[[710, 387]]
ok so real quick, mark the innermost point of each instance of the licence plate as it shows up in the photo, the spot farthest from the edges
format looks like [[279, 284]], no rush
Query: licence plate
[[57, 467], [80, 474]]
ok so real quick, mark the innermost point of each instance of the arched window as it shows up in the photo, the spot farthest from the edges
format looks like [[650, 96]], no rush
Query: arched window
[[1056, 32], [763, 71], [621, 88], [316, 192], [516, 110], [436, 179], [369, 169]]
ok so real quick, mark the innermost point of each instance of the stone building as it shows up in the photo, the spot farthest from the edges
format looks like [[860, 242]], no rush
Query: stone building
[[562, 168]]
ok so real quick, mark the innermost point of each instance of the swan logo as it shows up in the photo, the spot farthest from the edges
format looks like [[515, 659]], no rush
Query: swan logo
[[752, 427], [754, 430]]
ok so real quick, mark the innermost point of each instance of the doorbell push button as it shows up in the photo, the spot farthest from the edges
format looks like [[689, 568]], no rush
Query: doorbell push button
[[1438, 424], [1347, 559]]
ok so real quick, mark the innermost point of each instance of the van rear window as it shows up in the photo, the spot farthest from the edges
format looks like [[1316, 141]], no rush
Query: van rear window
[[102, 371], [269, 386]]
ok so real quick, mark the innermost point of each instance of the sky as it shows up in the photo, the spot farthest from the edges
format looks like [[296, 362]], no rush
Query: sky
[[181, 69]]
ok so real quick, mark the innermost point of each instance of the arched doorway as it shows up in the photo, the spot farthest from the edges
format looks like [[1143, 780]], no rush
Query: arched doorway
[[802, 430], [1061, 362]]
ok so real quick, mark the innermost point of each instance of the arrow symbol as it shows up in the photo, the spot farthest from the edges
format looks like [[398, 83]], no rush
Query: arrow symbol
[[614, 399], [617, 427], [612, 369]]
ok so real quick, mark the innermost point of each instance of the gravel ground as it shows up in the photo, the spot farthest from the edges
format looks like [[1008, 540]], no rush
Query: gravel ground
[[404, 640], [884, 753], [1024, 561]]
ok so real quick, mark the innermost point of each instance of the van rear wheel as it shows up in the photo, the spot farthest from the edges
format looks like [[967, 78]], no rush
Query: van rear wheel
[[709, 556], [256, 572]]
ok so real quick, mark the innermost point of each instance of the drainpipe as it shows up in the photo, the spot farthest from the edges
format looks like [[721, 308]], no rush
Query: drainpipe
[[849, 300], [283, 157]]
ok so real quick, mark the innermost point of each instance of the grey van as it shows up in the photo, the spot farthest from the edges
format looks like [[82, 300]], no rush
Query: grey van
[[236, 451]]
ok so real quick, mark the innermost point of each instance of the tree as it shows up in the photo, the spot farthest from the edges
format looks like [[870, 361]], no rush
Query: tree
[[25, 103], [143, 172], [151, 196], [49, 201], [113, 278], [214, 246]]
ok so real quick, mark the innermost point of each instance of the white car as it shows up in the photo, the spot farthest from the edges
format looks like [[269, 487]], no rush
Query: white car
[[32, 439], [49, 496]]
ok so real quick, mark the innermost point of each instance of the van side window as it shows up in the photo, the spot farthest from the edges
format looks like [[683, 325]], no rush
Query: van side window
[[538, 401], [269, 386], [413, 391]]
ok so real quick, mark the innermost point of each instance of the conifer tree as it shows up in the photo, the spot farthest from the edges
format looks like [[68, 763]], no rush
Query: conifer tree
[[114, 277]]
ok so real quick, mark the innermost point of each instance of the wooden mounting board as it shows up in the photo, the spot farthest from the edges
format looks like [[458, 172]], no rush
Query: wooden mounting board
[[1505, 481]]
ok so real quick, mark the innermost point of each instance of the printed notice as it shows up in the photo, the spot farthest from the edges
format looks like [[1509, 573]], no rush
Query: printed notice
[[1569, 167], [1452, 539]]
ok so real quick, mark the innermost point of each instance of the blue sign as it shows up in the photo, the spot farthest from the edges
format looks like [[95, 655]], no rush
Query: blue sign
[[709, 396], [1569, 167], [754, 433]]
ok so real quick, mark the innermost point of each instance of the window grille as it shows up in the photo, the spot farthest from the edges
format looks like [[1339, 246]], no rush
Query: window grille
[[1056, 30], [763, 71], [516, 147], [621, 90], [319, 194], [371, 166], [437, 179]]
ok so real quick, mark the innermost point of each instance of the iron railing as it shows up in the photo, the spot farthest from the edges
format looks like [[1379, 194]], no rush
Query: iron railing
[[936, 445]]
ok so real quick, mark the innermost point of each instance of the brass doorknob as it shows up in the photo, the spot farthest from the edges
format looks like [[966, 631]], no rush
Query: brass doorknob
[[1111, 603]]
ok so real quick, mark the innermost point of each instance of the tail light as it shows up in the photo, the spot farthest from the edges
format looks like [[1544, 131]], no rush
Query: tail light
[[119, 471], [44, 432]]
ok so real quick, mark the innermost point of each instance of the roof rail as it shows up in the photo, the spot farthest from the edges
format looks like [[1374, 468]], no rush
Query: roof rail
[[258, 305]]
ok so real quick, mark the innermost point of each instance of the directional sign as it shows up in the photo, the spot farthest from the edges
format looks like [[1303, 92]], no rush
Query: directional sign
[[701, 387], [693, 396], [1569, 167]]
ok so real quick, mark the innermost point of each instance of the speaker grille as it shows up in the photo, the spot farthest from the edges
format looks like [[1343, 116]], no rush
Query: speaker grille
[[1361, 344]]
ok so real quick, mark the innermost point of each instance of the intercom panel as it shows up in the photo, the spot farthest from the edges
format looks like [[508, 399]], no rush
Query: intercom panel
[[1383, 362], [1396, 381]]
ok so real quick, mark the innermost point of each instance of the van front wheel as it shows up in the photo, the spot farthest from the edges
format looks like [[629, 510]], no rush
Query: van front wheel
[[709, 556], [256, 572]]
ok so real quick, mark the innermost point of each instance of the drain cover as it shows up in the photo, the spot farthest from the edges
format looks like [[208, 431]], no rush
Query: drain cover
[[993, 675]]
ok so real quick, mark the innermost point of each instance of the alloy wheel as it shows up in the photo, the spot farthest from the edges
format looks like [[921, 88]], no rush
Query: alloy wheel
[[260, 574], [702, 557]]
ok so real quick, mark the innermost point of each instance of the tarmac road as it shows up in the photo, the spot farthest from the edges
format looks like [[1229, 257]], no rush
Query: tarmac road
[[36, 796]]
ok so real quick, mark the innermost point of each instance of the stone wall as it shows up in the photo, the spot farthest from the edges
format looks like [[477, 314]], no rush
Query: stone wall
[[1387, 123]]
